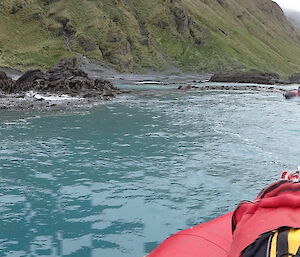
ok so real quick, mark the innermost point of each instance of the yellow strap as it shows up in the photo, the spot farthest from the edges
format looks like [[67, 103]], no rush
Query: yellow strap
[[294, 240], [274, 245]]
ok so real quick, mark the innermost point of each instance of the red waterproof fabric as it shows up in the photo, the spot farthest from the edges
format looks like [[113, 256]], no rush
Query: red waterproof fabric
[[277, 206], [209, 239]]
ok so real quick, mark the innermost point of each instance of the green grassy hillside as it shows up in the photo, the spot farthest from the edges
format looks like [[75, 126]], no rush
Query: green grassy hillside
[[133, 35]]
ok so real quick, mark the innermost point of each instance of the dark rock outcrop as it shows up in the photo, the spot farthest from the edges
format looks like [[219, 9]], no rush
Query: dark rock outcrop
[[65, 78], [29, 77], [247, 77], [6, 83], [3, 75]]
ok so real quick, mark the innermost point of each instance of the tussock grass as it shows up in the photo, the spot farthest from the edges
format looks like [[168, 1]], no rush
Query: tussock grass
[[135, 35]]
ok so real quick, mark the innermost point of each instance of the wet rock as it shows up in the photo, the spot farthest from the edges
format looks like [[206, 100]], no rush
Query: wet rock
[[7, 85], [27, 79], [108, 93], [186, 87], [254, 77], [65, 78], [3, 75], [90, 95], [242, 88]]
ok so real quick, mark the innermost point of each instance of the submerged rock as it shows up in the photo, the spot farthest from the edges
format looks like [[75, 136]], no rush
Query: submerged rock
[[254, 77]]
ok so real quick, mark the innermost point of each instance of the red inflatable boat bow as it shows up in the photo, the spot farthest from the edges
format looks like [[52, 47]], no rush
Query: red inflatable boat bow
[[211, 239], [276, 206]]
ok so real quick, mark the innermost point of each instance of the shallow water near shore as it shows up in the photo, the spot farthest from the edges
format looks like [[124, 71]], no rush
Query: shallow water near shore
[[116, 179]]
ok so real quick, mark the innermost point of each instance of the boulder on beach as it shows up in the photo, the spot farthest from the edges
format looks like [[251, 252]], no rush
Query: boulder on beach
[[253, 77]]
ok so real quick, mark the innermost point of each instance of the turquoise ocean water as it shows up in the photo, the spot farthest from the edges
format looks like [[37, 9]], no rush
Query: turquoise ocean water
[[116, 179]]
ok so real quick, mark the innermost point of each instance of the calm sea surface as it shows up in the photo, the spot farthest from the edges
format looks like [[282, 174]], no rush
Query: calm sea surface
[[116, 179]]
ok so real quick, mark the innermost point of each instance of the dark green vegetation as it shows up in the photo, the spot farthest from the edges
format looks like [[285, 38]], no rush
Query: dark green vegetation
[[133, 35]]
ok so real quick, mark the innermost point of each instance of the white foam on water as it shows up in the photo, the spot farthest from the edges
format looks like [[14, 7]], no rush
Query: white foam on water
[[51, 97], [147, 82]]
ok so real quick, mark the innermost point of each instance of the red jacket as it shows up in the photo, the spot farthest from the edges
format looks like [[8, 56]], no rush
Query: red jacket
[[276, 206]]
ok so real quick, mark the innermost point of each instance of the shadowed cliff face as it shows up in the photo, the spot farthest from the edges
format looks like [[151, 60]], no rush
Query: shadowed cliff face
[[134, 35]]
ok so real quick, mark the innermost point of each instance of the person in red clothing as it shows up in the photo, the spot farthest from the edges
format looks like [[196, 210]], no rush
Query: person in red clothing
[[269, 226]]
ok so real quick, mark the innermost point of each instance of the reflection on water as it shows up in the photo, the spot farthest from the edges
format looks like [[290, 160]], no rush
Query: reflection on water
[[115, 180]]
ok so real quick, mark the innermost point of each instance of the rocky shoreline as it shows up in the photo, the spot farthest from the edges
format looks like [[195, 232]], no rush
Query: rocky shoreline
[[233, 88], [255, 77], [77, 82], [65, 84], [176, 77]]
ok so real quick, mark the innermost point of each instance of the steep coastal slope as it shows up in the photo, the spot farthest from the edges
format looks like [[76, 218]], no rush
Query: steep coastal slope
[[133, 35]]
